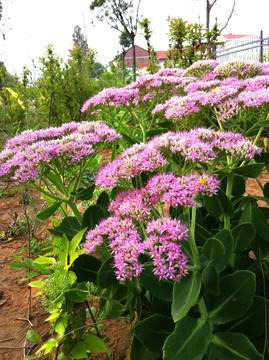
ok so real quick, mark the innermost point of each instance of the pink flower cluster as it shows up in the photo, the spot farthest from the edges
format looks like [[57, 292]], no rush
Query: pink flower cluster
[[163, 188], [164, 246], [201, 68], [196, 146], [124, 242], [241, 69], [133, 161], [112, 97], [26, 152], [179, 107], [134, 204], [255, 98], [172, 190], [164, 236], [177, 93], [145, 88]]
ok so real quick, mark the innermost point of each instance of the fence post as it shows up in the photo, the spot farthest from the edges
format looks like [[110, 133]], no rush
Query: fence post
[[261, 47]]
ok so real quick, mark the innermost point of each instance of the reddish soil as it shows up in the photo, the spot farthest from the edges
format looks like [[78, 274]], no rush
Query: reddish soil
[[14, 294]]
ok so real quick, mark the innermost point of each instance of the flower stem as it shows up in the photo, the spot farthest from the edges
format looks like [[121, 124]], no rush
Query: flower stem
[[74, 208], [229, 188], [194, 250], [196, 260]]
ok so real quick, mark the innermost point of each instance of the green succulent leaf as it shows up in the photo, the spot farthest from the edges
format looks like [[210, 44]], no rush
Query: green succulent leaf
[[185, 295], [189, 340], [236, 295], [153, 331], [234, 346]]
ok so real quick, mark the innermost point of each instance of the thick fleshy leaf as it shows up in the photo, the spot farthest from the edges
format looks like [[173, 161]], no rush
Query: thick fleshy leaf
[[161, 307], [85, 193], [262, 158], [189, 340], [234, 346], [218, 204], [106, 274], [140, 352], [86, 268], [250, 170], [243, 235], [103, 200], [78, 296], [213, 248], [266, 190], [246, 216], [45, 214], [236, 295], [226, 238], [253, 323], [161, 289], [185, 295], [260, 223], [69, 226], [92, 216], [210, 278], [55, 181], [201, 234], [239, 185], [156, 132], [153, 331]]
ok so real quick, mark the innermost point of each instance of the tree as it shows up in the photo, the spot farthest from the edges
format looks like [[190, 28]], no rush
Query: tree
[[210, 34], [153, 66], [185, 43], [79, 39], [125, 43], [119, 15]]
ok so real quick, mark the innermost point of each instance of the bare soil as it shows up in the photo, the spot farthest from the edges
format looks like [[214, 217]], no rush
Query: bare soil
[[15, 304]]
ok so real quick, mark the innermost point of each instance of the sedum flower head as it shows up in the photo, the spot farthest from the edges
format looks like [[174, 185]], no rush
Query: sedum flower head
[[26, 152], [164, 246], [125, 244], [201, 68], [241, 69]]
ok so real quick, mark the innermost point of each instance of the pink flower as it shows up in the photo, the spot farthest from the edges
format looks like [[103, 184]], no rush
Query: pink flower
[[125, 244], [164, 246], [26, 152]]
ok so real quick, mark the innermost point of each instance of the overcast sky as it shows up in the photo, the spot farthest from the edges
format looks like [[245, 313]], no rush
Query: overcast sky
[[31, 25]]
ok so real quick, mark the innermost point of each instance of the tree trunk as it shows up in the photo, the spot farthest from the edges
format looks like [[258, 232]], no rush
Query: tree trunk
[[208, 39], [134, 60], [123, 66]]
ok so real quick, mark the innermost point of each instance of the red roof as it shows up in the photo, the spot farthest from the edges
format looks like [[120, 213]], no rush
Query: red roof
[[161, 55], [233, 36]]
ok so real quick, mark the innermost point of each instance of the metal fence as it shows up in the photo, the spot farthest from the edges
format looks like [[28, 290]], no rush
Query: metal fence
[[248, 49]]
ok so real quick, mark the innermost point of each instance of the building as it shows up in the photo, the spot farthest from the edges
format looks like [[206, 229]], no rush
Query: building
[[142, 58]]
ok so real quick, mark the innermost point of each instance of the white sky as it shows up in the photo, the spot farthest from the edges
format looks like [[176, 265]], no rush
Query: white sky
[[31, 25]]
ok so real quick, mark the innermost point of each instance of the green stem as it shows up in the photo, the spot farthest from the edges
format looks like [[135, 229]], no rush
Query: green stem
[[143, 229], [39, 188], [196, 260], [229, 188], [208, 117], [258, 136], [192, 243], [74, 208], [202, 309], [155, 213]]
